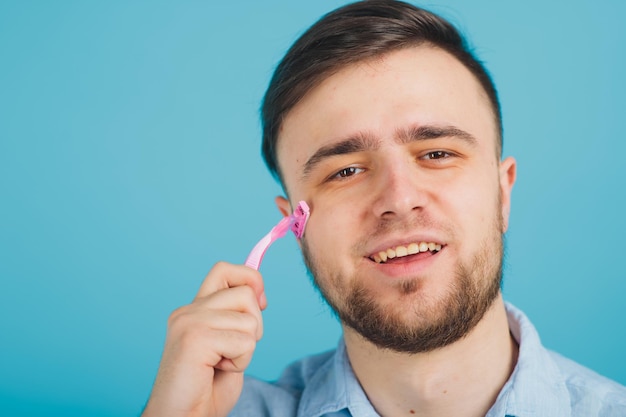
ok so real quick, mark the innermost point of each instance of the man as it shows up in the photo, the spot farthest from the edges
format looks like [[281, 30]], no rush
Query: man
[[382, 121]]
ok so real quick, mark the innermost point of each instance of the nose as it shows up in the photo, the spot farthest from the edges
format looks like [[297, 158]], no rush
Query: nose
[[400, 189]]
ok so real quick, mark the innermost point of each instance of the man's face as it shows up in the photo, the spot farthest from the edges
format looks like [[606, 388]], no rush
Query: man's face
[[397, 160]]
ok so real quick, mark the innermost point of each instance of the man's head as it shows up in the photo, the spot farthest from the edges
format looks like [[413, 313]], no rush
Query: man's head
[[355, 33], [397, 154]]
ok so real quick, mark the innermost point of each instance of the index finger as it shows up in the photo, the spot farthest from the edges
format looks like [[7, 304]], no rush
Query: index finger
[[225, 275]]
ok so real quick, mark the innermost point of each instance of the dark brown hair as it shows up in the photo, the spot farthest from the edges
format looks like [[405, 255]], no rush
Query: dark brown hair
[[354, 33]]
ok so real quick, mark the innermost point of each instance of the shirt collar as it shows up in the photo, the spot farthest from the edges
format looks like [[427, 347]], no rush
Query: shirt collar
[[333, 388], [535, 388]]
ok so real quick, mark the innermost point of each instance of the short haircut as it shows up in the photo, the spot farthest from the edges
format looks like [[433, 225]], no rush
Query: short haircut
[[354, 33]]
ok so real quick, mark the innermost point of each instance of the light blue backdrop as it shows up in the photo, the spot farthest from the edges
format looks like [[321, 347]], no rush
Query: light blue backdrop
[[129, 164]]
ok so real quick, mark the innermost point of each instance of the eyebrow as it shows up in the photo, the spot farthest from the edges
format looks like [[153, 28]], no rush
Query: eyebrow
[[358, 143], [418, 133], [362, 142]]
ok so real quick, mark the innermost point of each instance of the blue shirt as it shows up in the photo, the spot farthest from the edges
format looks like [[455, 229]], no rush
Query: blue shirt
[[543, 383]]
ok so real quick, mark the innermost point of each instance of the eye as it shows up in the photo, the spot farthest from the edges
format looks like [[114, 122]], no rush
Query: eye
[[346, 172], [433, 155]]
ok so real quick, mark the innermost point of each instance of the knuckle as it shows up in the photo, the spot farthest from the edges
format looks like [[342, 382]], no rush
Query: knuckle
[[176, 316], [250, 324], [218, 265], [182, 320], [247, 344], [221, 267], [248, 292]]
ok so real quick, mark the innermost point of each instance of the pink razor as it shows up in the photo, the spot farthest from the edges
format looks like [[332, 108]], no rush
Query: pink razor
[[296, 222]]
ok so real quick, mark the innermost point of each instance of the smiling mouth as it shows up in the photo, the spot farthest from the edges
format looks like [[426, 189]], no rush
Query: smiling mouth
[[403, 251]]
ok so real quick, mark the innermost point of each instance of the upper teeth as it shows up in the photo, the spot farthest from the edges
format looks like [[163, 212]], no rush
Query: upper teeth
[[400, 251]]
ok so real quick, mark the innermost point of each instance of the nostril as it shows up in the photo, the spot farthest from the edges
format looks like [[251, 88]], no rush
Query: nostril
[[391, 213]]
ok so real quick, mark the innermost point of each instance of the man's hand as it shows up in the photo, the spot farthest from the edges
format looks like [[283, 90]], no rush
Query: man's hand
[[209, 344]]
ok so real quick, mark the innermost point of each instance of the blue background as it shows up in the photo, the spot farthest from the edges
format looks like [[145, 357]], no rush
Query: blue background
[[129, 164]]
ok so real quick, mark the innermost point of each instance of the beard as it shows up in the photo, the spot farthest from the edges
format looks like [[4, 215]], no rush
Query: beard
[[431, 323]]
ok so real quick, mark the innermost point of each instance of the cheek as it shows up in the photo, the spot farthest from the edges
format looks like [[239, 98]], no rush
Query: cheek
[[327, 232], [329, 229], [474, 202]]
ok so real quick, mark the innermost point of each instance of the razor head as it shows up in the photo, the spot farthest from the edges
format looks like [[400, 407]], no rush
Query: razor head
[[300, 217]]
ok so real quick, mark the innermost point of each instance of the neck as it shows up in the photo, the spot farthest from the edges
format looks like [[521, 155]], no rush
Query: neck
[[463, 378]]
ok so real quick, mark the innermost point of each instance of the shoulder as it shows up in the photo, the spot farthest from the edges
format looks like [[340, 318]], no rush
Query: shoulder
[[281, 398], [555, 384], [589, 391]]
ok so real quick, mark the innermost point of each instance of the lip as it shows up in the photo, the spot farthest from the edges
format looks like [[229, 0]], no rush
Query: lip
[[404, 241], [418, 267]]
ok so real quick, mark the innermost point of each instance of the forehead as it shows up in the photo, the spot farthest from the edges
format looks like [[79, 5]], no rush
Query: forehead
[[410, 87]]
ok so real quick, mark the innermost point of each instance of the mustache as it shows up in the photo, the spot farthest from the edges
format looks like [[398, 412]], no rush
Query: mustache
[[405, 225]]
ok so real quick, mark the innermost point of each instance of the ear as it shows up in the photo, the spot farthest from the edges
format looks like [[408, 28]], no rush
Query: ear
[[283, 205], [508, 172]]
